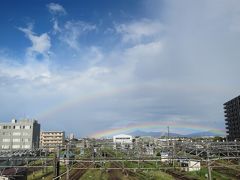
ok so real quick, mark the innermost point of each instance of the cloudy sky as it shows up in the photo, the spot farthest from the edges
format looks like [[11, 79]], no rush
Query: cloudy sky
[[87, 66]]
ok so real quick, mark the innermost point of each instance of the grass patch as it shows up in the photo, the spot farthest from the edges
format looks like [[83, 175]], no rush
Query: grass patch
[[159, 175], [202, 175], [95, 175], [37, 175]]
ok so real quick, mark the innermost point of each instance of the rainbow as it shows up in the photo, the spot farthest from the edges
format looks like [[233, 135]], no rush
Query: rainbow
[[155, 125], [87, 97], [108, 92]]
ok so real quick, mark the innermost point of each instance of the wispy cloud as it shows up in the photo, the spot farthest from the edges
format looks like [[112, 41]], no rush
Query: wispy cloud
[[55, 8], [56, 28], [72, 32], [41, 44], [181, 69], [30, 71], [138, 30]]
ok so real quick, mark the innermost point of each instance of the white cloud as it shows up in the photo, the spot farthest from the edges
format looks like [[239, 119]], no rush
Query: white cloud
[[55, 8], [72, 32], [56, 28], [138, 30], [40, 44], [182, 75], [29, 71]]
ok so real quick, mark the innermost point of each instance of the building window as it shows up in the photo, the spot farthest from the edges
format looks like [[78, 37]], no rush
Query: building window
[[26, 140], [5, 147], [27, 127], [26, 146], [16, 146], [6, 133], [16, 134], [6, 140], [25, 134], [16, 140]]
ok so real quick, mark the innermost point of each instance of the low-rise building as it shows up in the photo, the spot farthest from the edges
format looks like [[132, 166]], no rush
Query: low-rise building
[[165, 157], [23, 134], [52, 139], [122, 141], [188, 165]]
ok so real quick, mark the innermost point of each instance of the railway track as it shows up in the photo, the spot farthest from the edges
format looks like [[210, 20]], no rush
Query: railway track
[[227, 169], [118, 170], [78, 173], [178, 175], [124, 172], [117, 174]]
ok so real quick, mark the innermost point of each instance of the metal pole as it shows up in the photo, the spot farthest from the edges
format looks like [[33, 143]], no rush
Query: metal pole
[[67, 162], [57, 164], [45, 161], [208, 164], [168, 135], [168, 146], [173, 153]]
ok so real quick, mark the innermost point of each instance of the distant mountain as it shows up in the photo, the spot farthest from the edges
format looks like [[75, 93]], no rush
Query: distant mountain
[[203, 134], [153, 134], [158, 134]]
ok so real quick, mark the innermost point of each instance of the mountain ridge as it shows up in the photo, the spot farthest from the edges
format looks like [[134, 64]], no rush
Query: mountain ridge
[[159, 134]]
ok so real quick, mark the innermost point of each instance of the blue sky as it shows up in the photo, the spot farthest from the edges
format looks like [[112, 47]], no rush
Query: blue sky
[[103, 13], [87, 66]]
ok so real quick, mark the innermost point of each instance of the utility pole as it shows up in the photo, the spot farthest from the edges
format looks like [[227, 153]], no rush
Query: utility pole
[[45, 162], [168, 136], [67, 162], [173, 153], [208, 164], [168, 145], [57, 164]]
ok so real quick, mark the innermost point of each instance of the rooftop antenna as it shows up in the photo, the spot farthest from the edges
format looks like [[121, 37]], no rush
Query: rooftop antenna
[[168, 135], [168, 132], [24, 116]]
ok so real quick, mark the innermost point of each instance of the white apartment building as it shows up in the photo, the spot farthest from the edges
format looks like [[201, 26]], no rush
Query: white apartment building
[[52, 139], [122, 141]]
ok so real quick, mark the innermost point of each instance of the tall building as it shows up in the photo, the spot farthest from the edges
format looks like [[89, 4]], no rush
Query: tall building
[[52, 139], [232, 118], [15, 135]]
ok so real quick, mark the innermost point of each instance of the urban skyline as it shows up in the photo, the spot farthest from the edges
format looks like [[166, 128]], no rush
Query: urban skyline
[[91, 66]]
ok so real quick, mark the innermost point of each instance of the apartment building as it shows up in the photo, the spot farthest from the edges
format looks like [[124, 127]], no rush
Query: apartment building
[[52, 139], [23, 134], [232, 118]]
